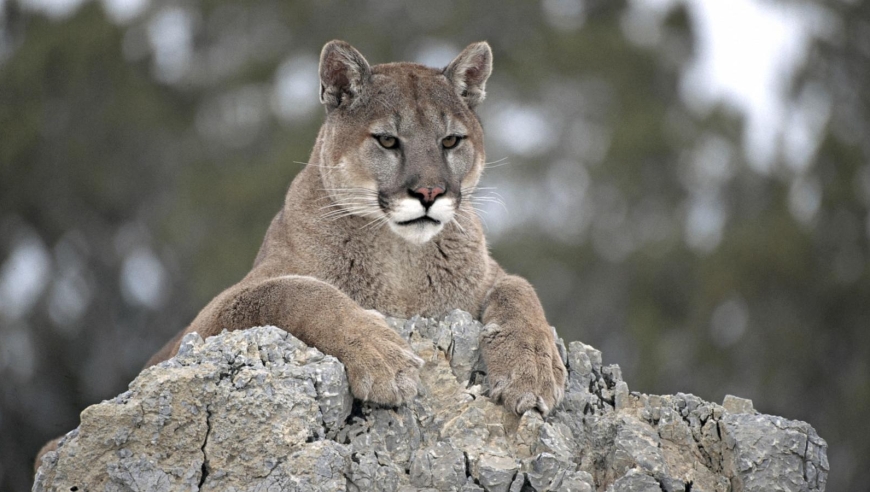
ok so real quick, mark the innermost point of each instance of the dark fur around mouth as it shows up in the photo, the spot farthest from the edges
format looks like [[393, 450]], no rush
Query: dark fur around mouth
[[419, 220]]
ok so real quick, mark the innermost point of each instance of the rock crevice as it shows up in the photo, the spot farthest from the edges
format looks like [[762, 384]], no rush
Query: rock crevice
[[259, 410]]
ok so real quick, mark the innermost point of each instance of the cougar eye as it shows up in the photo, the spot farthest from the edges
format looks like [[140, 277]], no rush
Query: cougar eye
[[387, 141], [451, 141]]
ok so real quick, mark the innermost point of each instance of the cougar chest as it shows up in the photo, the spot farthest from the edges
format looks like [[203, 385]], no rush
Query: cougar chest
[[429, 279], [436, 277]]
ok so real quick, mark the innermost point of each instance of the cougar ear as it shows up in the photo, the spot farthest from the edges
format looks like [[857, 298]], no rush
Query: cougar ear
[[343, 74], [468, 72]]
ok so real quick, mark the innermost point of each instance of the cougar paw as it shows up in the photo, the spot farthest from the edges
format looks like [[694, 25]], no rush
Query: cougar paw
[[524, 369], [381, 367]]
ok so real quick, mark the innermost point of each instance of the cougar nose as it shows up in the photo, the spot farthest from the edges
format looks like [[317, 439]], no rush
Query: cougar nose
[[427, 194]]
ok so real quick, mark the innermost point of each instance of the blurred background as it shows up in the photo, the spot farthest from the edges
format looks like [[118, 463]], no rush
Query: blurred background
[[685, 182]]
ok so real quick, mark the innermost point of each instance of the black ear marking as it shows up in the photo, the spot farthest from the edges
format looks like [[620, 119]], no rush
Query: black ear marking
[[469, 72], [343, 74]]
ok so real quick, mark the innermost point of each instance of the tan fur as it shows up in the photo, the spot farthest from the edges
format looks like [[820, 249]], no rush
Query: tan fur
[[336, 250]]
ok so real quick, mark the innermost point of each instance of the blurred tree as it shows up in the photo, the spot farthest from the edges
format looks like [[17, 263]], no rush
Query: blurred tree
[[86, 172]]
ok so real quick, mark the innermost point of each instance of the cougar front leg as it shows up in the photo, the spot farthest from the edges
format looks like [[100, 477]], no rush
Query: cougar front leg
[[381, 367], [524, 368]]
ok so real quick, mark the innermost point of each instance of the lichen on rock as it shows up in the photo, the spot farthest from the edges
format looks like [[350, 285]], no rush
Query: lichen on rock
[[259, 410]]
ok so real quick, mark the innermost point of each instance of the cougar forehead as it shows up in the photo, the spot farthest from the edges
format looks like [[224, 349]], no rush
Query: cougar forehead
[[416, 94]]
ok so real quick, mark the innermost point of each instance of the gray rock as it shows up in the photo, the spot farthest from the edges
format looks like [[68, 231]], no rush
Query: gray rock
[[367, 474], [734, 404], [637, 445], [749, 440], [519, 483], [464, 347], [556, 438], [497, 472], [441, 466], [259, 410], [320, 465], [387, 432], [572, 484], [673, 485], [470, 486], [635, 481], [576, 482], [620, 395]]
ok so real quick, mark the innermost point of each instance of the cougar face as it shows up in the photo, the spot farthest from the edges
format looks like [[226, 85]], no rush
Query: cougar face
[[402, 144]]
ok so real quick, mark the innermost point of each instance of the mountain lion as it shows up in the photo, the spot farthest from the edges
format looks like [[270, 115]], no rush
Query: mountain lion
[[381, 221]]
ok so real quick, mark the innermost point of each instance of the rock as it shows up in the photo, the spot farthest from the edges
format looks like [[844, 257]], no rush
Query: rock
[[635, 481], [496, 473], [259, 410], [749, 440], [518, 483], [734, 404], [440, 466], [576, 482]]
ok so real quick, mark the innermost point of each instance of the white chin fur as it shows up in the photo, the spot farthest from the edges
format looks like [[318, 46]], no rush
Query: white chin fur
[[417, 233], [410, 209]]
